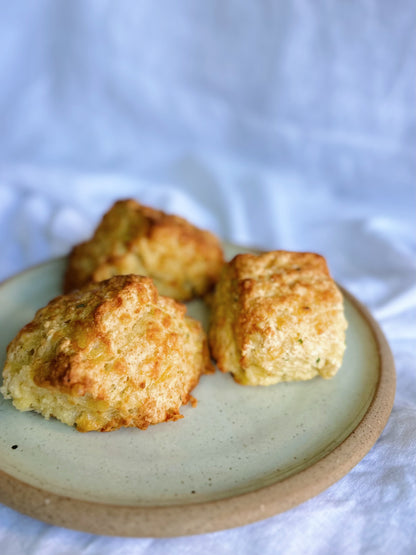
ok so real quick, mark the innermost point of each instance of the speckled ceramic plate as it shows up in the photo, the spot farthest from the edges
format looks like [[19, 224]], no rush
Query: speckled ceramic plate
[[243, 454]]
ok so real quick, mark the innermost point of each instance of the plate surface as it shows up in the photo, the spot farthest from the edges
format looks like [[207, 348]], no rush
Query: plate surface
[[244, 453]]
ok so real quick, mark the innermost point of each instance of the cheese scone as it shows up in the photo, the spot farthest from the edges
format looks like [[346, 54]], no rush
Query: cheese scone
[[113, 354], [277, 316], [183, 260]]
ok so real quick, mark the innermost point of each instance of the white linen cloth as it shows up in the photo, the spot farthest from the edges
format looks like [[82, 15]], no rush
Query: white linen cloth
[[274, 124]]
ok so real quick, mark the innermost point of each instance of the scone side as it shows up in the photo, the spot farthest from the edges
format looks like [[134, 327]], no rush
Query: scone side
[[221, 331], [108, 244], [297, 298]]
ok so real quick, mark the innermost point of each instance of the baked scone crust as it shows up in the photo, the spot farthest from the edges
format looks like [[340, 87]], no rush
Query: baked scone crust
[[183, 260], [277, 316], [113, 354]]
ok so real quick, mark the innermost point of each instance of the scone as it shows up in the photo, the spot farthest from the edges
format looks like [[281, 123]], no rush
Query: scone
[[113, 354], [183, 260], [276, 317]]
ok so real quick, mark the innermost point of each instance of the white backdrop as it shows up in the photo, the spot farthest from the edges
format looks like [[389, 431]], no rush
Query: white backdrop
[[275, 124]]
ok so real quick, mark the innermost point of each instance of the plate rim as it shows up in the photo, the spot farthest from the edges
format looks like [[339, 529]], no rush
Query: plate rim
[[215, 515]]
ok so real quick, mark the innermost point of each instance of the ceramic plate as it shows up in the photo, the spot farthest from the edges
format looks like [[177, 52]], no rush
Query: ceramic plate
[[243, 454]]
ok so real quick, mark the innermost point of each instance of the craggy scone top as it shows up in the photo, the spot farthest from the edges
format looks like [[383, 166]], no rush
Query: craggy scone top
[[114, 354], [277, 316], [183, 260]]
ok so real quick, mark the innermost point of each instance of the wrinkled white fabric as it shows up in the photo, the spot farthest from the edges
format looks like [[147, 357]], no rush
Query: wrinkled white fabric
[[274, 124]]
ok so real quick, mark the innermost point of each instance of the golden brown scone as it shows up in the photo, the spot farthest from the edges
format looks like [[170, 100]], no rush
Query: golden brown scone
[[114, 354], [183, 261], [277, 316]]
